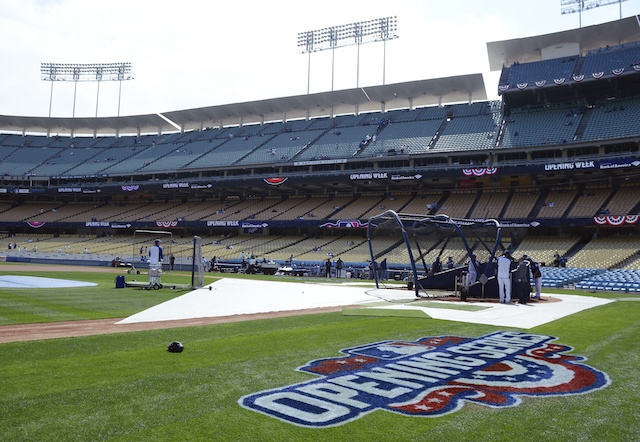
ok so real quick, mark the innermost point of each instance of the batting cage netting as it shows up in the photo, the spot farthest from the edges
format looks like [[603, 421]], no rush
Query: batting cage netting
[[433, 251], [197, 271]]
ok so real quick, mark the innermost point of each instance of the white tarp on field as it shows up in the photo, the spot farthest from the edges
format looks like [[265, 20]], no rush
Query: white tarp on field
[[511, 315], [230, 296]]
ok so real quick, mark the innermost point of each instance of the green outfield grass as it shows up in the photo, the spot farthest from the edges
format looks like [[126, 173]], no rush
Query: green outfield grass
[[26, 305], [127, 387]]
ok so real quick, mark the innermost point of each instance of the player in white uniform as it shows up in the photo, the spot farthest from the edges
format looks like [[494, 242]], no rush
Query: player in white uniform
[[472, 274], [155, 263], [504, 277]]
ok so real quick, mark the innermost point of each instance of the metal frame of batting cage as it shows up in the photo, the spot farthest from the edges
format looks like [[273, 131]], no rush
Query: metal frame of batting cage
[[393, 215], [439, 220]]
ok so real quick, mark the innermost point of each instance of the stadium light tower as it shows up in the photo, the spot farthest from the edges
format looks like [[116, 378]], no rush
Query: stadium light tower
[[85, 72], [573, 6], [380, 29]]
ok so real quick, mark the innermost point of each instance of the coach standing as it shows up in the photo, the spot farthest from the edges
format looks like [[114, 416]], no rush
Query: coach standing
[[504, 277]]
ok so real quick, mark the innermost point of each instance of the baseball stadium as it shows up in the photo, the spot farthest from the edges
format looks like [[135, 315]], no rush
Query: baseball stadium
[[270, 269]]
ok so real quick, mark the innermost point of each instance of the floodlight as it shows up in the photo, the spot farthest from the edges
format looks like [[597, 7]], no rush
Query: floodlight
[[85, 72], [573, 6], [381, 29]]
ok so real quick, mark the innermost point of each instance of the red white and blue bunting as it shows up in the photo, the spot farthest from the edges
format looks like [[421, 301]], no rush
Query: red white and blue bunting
[[616, 220], [559, 81], [480, 171], [35, 224], [130, 188], [166, 224]]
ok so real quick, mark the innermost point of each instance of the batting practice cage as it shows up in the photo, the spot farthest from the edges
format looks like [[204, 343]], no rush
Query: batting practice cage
[[432, 253]]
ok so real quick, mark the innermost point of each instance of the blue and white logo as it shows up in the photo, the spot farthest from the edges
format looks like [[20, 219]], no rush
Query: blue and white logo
[[432, 376]]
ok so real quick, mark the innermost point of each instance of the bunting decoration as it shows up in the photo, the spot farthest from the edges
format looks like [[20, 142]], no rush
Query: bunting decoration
[[615, 220], [166, 224], [480, 171]]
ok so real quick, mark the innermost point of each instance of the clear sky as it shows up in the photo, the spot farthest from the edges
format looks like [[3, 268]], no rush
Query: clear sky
[[196, 53]]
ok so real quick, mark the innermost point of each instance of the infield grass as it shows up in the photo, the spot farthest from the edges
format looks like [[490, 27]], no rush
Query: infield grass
[[127, 387]]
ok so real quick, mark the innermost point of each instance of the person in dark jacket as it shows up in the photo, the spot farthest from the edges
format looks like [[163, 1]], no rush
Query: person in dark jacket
[[522, 281], [536, 273], [436, 267]]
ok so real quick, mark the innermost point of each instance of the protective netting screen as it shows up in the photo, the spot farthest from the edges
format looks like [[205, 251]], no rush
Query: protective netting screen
[[197, 273]]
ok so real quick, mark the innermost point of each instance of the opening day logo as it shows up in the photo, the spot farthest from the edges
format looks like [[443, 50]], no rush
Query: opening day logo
[[431, 377]]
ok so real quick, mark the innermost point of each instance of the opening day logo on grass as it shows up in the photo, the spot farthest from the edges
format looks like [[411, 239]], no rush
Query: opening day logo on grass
[[431, 377]]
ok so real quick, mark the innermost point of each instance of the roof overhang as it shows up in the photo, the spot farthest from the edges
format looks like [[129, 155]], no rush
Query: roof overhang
[[529, 49], [419, 93], [348, 101]]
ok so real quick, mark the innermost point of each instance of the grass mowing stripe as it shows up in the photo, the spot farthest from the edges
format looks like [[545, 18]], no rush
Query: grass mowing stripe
[[450, 306], [46, 310], [388, 312], [18, 314], [102, 301]]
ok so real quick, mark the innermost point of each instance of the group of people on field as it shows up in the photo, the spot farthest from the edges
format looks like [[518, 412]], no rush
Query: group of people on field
[[513, 276]]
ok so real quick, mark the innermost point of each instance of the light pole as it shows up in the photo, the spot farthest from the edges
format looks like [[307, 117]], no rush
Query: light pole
[[86, 72], [381, 29], [573, 6]]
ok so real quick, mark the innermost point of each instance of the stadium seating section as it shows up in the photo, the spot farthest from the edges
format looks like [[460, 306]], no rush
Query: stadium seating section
[[610, 262], [600, 61], [456, 128]]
